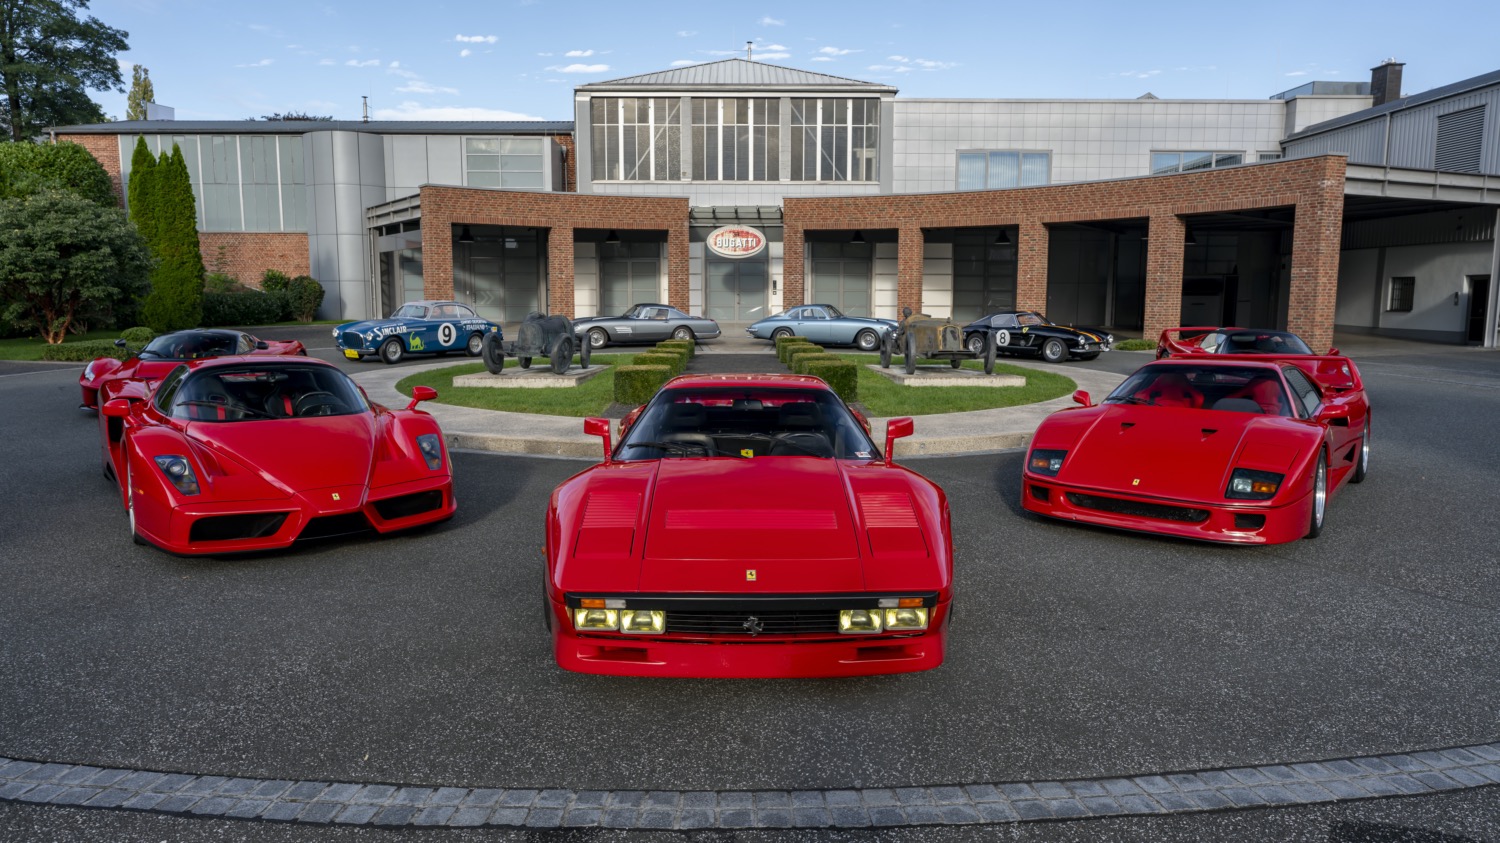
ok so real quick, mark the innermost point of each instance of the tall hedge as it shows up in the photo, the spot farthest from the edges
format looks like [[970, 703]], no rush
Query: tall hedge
[[841, 375], [636, 384], [176, 299], [141, 192]]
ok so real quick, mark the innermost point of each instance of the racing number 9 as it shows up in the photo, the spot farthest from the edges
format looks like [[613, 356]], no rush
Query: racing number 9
[[447, 333]]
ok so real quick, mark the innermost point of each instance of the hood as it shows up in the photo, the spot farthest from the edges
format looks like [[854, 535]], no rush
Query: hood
[[330, 451], [1173, 452], [376, 324]]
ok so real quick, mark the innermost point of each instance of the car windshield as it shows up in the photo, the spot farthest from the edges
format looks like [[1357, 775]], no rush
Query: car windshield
[[410, 311], [190, 345], [1029, 319], [1241, 389], [744, 422], [258, 393], [833, 312], [1263, 342]]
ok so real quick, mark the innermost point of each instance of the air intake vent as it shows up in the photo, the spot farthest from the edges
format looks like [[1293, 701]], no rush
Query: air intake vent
[[1460, 137]]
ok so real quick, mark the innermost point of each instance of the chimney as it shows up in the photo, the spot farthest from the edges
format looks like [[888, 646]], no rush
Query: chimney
[[1385, 81]]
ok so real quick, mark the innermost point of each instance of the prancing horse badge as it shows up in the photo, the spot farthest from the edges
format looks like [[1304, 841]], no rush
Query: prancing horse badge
[[749, 575]]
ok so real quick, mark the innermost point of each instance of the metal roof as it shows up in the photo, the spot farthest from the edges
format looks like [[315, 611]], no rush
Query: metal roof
[[737, 73], [302, 127], [1482, 81]]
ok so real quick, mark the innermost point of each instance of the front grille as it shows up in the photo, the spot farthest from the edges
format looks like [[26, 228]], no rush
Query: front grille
[[1139, 509], [335, 525], [408, 505], [223, 528], [774, 622], [350, 339]]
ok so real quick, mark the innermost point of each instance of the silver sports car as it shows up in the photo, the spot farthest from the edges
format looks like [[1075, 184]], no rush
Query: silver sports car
[[644, 323], [824, 324]]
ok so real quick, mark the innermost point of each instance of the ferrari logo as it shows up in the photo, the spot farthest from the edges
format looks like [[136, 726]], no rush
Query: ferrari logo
[[754, 626], [749, 575], [335, 495], [1136, 482], [747, 452]]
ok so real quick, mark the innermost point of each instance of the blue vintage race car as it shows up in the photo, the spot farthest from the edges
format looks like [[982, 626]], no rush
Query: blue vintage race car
[[417, 327]]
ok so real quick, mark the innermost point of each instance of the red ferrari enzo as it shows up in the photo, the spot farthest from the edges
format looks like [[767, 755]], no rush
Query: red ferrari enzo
[[1175, 342], [162, 355], [747, 526], [1218, 448], [235, 454]]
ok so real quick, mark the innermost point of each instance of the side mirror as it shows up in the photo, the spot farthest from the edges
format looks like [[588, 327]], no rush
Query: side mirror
[[420, 394], [600, 427], [120, 343], [895, 429], [116, 408], [1333, 352], [1081, 397], [261, 345]]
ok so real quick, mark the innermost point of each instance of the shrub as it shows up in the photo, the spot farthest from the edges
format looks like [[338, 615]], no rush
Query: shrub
[[219, 282], [784, 352], [248, 308], [304, 295], [675, 362], [636, 384], [801, 351], [83, 352], [781, 341], [275, 281], [841, 375], [686, 345], [1135, 345], [800, 362], [137, 336]]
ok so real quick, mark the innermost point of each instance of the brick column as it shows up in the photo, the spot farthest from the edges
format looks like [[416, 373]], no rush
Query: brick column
[[1032, 244], [793, 263], [560, 270], [679, 267], [909, 250], [1317, 237], [1164, 250], [437, 254]]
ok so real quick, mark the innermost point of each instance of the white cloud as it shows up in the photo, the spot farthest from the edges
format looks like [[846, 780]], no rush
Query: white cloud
[[327, 62], [835, 51], [578, 54], [775, 47], [419, 87], [395, 69], [906, 64], [1298, 73], [820, 58], [581, 68], [763, 56], [685, 62], [465, 53], [770, 21], [261, 63], [410, 110], [366, 63], [1140, 74], [686, 33], [475, 39]]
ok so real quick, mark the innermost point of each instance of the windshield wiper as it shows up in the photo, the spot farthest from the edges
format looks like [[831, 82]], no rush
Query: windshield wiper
[[1126, 399]]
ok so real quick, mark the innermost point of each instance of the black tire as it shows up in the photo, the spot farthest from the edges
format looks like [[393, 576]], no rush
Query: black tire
[[598, 338], [130, 505], [585, 352], [493, 354], [887, 345], [562, 355], [391, 351], [867, 340], [475, 346], [683, 332], [1053, 351], [780, 333], [956, 363], [989, 354], [524, 361], [1362, 462], [911, 353], [1320, 496], [975, 343]]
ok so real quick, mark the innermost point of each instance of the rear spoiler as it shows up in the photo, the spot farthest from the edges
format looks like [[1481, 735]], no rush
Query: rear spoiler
[[1169, 343], [1328, 371]]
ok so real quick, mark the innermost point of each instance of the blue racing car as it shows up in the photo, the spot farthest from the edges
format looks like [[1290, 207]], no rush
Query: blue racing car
[[417, 327]]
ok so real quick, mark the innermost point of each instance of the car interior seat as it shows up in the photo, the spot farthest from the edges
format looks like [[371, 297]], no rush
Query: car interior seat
[[685, 423], [209, 400], [1171, 390], [1265, 391], [801, 425]]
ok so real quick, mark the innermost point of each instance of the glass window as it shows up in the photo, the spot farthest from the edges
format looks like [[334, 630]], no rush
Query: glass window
[[262, 392], [1271, 155], [1188, 162], [636, 139], [745, 423], [1403, 290], [736, 139], [1003, 168], [1307, 393], [835, 139], [504, 162]]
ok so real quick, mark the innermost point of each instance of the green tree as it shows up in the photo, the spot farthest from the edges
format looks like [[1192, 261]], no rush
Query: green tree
[[296, 115], [65, 259], [176, 299], [141, 92], [49, 61], [141, 190], [26, 168]]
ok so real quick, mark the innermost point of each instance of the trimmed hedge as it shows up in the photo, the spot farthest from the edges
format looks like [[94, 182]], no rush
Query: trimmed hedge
[[83, 352], [841, 375], [248, 308], [781, 341], [636, 384], [800, 362], [674, 362], [686, 345], [675, 352], [801, 351], [137, 336], [1135, 345], [785, 352]]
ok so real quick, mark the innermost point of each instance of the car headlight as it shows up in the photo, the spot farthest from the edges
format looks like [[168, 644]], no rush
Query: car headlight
[[88, 371], [432, 450], [1251, 485], [1045, 462], [859, 621], [605, 620], [643, 622], [180, 472], [335, 333], [904, 619]]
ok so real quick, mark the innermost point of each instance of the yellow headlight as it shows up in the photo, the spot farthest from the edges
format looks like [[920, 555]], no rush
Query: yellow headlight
[[905, 619], [596, 619], [641, 622], [858, 621]]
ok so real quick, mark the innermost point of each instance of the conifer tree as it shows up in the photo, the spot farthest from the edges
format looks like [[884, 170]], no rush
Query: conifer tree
[[141, 192], [176, 299], [141, 92]]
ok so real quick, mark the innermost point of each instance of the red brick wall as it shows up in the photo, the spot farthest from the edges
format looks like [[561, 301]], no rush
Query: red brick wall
[[245, 255], [570, 162], [560, 214], [106, 150]]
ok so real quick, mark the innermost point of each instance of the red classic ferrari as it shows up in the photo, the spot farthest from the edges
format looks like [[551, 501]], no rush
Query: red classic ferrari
[[747, 526], [1218, 448], [235, 454], [1175, 342], [162, 355]]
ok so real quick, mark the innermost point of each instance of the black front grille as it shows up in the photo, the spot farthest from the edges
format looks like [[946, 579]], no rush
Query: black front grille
[[335, 525], [350, 339], [1139, 509], [223, 528], [408, 505], [773, 622]]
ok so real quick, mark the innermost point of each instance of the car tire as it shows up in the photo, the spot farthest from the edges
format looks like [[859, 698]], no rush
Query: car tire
[[130, 504], [911, 353], [598, 338], [780, 333], [867, 340], [585, 353], [989, 354], [493, 354], [524, 361], [475, 345], [562, 355], [1319, 495], [975, 343], [887, 348], [1362, 462], [391, 351], [683, 332], [956, 363], [1053, 351]]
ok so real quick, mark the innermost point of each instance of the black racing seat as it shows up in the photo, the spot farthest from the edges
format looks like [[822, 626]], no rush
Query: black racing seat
[[802, 433], [684, 424]]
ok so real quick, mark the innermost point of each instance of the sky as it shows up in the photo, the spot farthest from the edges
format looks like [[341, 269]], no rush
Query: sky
[[521, 59]]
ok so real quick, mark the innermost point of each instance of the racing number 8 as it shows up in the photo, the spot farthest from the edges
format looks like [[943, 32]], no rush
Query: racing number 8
[[447, 333]]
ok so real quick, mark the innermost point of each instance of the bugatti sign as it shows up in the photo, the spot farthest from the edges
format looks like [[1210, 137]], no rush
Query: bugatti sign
[[736, 241]]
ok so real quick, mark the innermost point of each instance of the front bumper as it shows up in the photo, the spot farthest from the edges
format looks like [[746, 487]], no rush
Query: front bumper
[[1238, 523]]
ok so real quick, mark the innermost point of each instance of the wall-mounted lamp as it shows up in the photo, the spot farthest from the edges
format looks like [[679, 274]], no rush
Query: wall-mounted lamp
[[612, 238], [465, 236], [1003, 238], [859, 237]]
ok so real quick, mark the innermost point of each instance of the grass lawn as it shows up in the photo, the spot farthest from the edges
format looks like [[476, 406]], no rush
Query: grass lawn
[[589, 398], [30, 348], [882, 397]]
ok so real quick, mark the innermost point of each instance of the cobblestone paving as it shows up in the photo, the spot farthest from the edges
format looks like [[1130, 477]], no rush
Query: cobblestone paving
[[350, 803]]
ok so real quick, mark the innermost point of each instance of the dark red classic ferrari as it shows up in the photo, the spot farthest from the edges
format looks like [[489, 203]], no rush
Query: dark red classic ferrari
[[1218, 448], [1175, 342], [162, 355], [747, 526], [235, 454]]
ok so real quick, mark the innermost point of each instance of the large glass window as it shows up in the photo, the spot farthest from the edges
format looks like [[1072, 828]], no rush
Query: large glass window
[[736, 139], [1003, 168], [636, 139], [835, 139], [240, 182], [1188, 162], [504, 162]]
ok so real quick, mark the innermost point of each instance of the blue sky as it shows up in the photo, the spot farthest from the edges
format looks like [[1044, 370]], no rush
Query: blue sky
[[521, 59]]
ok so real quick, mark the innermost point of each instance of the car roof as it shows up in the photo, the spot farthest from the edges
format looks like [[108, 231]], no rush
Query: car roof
[[430, 302], [701, 381]]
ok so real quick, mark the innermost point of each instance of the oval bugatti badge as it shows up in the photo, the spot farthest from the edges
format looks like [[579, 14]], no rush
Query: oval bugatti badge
[[736, 241]]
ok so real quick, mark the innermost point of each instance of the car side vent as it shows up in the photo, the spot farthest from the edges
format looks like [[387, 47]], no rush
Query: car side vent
[[887, 509], [611, 509]]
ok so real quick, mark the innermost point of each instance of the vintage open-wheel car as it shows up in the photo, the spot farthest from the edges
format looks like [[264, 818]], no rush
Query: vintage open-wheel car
[[539, 336], [921, 336]]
